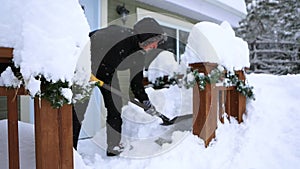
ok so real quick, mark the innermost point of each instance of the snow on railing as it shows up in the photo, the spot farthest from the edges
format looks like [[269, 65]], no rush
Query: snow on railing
[[53, 128]]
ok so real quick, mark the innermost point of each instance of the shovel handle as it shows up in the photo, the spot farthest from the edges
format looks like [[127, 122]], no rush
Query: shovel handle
[[100, 83]]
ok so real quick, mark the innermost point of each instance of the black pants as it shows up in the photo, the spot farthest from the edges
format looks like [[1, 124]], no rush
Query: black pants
[[113, 104], [76, 128], [78, 116]]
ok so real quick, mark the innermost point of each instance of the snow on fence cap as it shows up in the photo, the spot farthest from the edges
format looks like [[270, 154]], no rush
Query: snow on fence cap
[[210, 42], [48, 38]]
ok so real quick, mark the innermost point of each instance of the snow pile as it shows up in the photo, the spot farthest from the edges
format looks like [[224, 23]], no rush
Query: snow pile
[[8, 79], [268, 137], [48, 40], [210, 42], [27, 147], [163, 65]]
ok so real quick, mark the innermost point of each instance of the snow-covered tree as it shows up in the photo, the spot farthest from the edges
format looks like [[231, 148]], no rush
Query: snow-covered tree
[[272, 29]]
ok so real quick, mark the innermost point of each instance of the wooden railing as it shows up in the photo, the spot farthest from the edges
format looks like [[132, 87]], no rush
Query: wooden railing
[[12, 124], [53, 128], [5, 54], [211, 103], [214, 101]]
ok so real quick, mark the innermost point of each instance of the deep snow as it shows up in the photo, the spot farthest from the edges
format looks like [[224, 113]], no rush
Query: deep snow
[[268, 138]]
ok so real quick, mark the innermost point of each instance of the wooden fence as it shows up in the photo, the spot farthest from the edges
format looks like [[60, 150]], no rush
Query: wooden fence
[[53, 128], [214, 101], [211, 103]]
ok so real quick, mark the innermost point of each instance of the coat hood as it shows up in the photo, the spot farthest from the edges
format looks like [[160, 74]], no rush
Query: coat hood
[[147, 28]]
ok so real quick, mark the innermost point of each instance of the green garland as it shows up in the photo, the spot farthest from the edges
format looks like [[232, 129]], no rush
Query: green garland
[[241, 87], [52, 91], [193, 78]]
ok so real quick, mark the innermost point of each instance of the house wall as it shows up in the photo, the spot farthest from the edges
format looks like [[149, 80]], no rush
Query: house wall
[[213, 10], [132, 5]]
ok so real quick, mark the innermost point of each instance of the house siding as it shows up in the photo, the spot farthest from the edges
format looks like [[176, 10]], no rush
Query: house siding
[[132, 6]]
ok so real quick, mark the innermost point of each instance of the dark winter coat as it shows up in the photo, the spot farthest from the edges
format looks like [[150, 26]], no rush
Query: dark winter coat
[[116, 48]]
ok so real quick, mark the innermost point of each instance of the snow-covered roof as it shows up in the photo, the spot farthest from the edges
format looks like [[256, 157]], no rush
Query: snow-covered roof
[[217, 11]]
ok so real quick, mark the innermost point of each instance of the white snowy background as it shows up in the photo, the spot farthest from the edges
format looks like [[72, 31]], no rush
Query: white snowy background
[[268, 138]]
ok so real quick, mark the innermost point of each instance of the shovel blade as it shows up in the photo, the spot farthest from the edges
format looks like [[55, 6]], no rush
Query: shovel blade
[[167, 121]]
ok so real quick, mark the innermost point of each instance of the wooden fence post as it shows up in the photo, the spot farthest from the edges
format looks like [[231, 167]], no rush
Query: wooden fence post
[[13, 131], [236, 102], [6, 55], [205, 106], [53, 128], [53, 133], [213, 101], [222, 96]]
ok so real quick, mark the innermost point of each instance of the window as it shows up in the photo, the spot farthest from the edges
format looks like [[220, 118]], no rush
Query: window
[[177, 41], [177, 30]]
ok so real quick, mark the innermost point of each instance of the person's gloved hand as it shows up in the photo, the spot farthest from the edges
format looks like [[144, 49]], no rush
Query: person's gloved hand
[[149, 108]]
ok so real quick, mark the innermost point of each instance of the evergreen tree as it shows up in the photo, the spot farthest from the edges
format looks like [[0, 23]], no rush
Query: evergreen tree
[[275, 27]]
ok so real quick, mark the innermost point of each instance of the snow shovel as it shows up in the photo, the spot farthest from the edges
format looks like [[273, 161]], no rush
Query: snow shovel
[[100, 83]]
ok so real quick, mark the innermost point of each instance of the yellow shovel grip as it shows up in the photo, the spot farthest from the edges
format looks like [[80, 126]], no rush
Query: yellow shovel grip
[[93, 78]]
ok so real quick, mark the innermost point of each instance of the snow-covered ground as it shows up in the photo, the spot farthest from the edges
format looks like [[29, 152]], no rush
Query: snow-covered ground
[[268, 138]]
